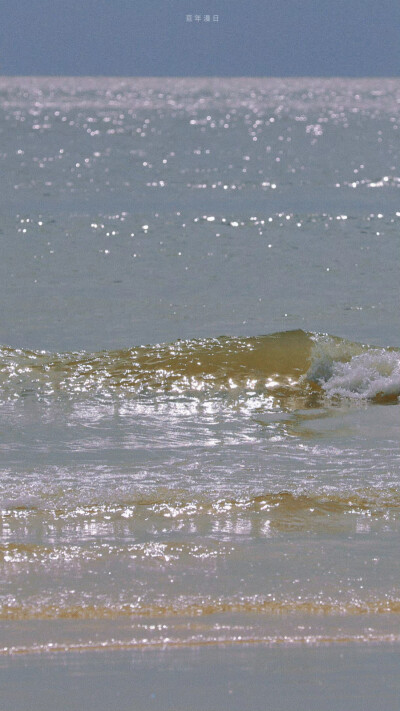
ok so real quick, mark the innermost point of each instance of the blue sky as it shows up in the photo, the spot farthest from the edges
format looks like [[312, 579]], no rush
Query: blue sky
[[153, 37]]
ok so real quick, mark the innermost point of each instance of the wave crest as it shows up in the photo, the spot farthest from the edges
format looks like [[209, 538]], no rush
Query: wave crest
[[286, 366], [351, 370]]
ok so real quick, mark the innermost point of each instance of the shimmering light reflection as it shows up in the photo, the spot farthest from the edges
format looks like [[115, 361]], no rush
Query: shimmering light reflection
[[213, 365], [219, 488]]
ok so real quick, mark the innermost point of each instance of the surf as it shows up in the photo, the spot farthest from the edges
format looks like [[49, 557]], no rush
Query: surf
[[289, 363]]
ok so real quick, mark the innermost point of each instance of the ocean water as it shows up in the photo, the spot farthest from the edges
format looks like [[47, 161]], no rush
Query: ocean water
[[199, 363]]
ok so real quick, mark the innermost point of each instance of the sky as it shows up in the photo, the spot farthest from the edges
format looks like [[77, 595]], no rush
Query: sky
[[156, 37]]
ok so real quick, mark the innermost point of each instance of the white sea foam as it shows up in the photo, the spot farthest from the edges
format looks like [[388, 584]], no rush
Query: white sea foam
[[341, 369]]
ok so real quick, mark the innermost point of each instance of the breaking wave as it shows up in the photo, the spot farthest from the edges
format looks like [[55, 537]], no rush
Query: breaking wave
[[352, 370], [286, 364]]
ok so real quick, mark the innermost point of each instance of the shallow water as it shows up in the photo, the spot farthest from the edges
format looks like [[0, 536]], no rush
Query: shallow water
[[326, 678], [187, 457]]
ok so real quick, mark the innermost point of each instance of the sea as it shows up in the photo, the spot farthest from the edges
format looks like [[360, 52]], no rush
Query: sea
[[200, 373]]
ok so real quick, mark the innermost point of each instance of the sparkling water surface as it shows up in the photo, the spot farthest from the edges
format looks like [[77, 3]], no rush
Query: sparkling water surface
[[199, 362]]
